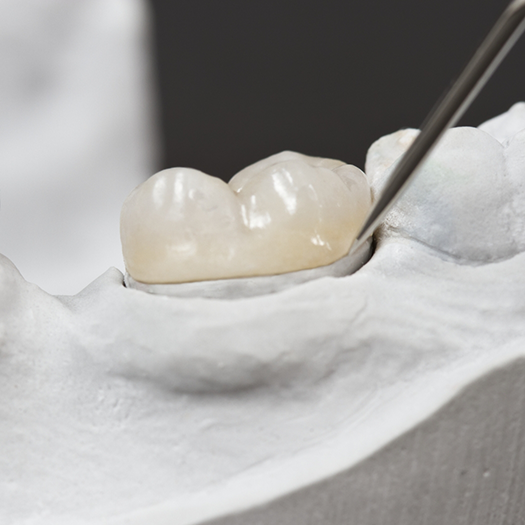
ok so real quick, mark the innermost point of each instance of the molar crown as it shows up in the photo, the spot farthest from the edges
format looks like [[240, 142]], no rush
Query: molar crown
[[286, 213]]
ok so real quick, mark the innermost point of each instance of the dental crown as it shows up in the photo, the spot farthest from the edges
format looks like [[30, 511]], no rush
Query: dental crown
[[286, 213]]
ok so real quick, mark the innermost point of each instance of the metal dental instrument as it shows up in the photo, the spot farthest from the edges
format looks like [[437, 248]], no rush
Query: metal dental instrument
[[487, 58]]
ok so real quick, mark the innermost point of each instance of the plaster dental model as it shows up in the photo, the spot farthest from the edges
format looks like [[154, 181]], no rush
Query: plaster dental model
[[393, 395]]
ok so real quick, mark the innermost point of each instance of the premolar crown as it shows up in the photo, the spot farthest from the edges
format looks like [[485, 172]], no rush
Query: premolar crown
[[286, 213]]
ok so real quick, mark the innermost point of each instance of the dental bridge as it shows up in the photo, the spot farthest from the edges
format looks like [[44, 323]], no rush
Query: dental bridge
[[282, 183]]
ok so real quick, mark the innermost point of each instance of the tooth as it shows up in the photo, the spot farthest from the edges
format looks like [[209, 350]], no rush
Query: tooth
[[285, 213], [383, 153]]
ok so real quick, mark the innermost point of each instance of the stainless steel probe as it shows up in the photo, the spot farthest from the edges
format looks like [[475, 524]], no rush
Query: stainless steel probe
[[487, 58]]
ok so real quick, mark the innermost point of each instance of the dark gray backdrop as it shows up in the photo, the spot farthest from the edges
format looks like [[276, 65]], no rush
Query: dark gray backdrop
[[242, 79]]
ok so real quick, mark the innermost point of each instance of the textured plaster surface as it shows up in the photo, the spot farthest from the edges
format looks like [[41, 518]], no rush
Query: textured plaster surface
[[395, 393], [464, 465]]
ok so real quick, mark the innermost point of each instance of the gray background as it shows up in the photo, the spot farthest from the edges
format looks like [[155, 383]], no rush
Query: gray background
[[242, 79]]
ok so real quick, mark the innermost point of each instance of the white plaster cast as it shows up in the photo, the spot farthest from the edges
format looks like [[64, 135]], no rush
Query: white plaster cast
[[467, 200], [505, 126], [131, 408]]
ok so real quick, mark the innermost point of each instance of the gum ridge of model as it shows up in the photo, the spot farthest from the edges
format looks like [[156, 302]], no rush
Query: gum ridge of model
[[122, 407], [286, 213]]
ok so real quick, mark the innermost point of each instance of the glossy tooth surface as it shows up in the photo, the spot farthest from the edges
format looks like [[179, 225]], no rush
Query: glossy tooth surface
[[286, 213]]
